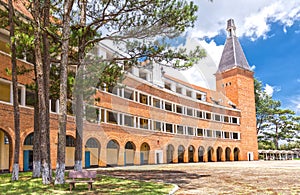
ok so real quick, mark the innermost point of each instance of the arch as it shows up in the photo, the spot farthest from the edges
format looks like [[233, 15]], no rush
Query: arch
[[6, 151], [170, 153], [181, 154], [227, 154], [210, 152], [144, 154], [28, 152], [236, 153], [219, 154], [112, 153], [92, 152], [201, 151], [129, 153], [191, 153]]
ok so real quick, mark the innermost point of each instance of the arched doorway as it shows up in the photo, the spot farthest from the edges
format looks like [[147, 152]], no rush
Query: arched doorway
[[191, 153], [70, 151], [210, 152], [180, 154], [129, 153], [112, 153], [236, 153], [200, 154], [28, 153], [145, 150], [227, 154], [5, 151], [219, 154], [92, 152], [170, 153]]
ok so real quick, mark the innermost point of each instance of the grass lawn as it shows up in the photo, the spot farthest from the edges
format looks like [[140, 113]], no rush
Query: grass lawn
[[103, 185]]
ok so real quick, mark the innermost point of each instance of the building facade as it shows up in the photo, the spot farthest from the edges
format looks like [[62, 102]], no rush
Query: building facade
[[149, 118]]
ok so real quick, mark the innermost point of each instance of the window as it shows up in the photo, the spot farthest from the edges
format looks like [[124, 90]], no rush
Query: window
[[208, 115], [143, 123], [91, 113], [113, 90], [6, 140], [156, 103], [128, 94], [157, 126], [180, 129], [188, 93], [5, 91], [189, 111], [102, 115], [199, 114], [234, 120], [199, 96], [218, 134], [200, 132], [209, 133], [179, 109], [30, 98], [226, 119], [178, 90], [190, 130], [143, 75], [70, 141], [128, 121], [168, 86], [143, 99], [168, 106], [112, 117], [217, 117], [29, 139], [226, 135], [169, 128], [235, 136]]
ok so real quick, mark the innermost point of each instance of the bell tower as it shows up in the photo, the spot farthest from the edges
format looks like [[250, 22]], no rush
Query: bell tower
[[235, 79]]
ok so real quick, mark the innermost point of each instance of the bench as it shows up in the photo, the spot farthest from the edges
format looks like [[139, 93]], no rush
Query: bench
[[81, 177]]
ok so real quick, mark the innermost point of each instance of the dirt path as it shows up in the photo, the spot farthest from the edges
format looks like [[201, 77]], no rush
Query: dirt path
[[260, 177]]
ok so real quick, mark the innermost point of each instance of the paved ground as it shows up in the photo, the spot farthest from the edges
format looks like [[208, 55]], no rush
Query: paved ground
[[256, 177]]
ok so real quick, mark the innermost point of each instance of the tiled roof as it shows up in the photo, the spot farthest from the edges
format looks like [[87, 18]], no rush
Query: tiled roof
[[233, 54]]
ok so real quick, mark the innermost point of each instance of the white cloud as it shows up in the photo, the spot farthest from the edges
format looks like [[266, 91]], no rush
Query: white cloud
[[252, 67], [213, 50], [252, 17], [298, 80], [295, 104], [270, 90]]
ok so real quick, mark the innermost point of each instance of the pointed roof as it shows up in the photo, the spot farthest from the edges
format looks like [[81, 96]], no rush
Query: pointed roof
[[233, 54]]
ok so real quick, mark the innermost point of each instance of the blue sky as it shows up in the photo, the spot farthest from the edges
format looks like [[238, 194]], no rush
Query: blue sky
[[269, 32]]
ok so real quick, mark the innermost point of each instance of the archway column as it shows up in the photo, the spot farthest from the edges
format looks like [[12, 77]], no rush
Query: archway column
[[186, 155], [121, 156], [232, 155], [102, 159], [137, 156], [223, 155], [205, 157], [195, 156]]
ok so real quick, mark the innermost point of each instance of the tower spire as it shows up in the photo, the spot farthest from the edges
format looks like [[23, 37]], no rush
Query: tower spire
[[233, 55], [231, 27]]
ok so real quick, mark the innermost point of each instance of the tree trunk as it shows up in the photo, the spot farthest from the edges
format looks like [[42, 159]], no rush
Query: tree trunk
[[79, 89], [46, 75], [36, 171], [15, 173], [44, 136], [62, 119]]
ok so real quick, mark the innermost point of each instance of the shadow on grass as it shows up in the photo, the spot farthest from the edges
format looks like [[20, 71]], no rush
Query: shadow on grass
[[166, 176], [102, 185]]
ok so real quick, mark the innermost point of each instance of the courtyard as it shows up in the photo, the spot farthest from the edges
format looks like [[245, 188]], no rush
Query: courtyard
[[254, 177]]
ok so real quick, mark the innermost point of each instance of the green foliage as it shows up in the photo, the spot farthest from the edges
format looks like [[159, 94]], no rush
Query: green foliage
[[102, 185], [273, 122]]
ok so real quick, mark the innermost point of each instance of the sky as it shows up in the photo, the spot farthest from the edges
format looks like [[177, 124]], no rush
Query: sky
[[269, 32]]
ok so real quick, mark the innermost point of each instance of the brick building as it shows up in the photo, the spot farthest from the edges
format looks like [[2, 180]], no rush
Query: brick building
[[150, 118]]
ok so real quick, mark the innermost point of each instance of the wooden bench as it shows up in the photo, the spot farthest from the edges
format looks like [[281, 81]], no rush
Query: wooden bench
[[81, 177]]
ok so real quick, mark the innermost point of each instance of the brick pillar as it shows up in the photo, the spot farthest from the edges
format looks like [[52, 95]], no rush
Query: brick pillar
[[121, 156], [223, 155], [137, 157], [151, 159], [175, 156], [186, 156], [102, 159], [196, 159]]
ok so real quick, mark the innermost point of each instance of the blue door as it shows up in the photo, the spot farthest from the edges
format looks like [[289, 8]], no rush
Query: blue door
[[26, 160], [87, 159], [142, 158]]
